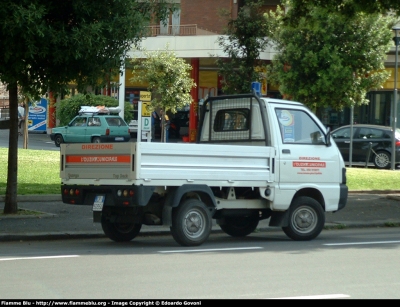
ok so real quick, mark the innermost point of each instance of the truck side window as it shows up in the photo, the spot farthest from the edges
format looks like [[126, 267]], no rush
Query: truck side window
[[298, 127], [232, 120]]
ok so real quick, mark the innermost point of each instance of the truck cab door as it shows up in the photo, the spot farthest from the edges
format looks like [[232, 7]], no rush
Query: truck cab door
[[304, 155]]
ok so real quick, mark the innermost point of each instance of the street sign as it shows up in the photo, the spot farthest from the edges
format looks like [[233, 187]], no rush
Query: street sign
[[146, 123], [146, 109], [145, 96]]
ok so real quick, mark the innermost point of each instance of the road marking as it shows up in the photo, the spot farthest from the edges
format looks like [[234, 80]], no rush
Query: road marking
[[34, 258], [313, 297], [208, 250], [363, 243]]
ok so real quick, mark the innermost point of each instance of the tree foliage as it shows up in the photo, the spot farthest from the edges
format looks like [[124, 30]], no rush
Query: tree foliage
[[301, 8], [70, 107], [329, 59], [45, 45], [167, 77], [168, 80], [244, 39]]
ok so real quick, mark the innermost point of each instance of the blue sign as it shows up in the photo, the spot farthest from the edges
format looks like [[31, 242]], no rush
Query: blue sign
[[37, 118]]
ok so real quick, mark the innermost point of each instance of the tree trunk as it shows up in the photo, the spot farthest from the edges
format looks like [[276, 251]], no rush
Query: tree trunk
[[11, 206]]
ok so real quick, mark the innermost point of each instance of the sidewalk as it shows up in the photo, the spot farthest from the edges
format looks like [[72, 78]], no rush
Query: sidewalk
[[60, 221]]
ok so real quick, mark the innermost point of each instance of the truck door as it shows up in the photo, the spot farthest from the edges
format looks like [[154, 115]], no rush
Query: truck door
[[304, 154]]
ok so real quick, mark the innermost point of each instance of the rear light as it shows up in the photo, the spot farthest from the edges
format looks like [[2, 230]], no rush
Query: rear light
[[125, 193], [71, 192], [107, 131], [397, 143]]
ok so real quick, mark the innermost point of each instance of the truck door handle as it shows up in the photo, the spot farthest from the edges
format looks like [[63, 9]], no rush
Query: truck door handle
[[286, 151]]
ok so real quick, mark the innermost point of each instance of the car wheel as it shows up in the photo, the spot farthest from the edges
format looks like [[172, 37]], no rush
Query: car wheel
[[96, 139], [382, 159], [58, 140], [120, 232], [240, 226], [191, 223], [306, 219]]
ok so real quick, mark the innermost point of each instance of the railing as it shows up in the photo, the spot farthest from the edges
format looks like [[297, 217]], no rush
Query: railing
[[177, 30], [4, 113]]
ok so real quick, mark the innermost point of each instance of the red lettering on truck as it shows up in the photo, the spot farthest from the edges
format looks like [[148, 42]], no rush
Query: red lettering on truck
[[308, 164], [97, 146], [98, 159]]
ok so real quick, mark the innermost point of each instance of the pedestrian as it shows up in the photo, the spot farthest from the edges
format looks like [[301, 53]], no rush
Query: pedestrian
[[21, 118], [165, 121], [154, 118]]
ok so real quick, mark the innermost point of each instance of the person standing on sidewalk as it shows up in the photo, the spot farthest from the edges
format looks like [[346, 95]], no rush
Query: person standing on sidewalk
[[165, 124], [154, 118], [21, 118]]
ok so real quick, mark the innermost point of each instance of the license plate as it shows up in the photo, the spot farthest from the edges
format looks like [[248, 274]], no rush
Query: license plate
[[119, 138], [98, 202]]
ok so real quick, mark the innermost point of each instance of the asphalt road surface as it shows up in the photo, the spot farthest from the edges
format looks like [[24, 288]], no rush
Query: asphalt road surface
[[350, 264]]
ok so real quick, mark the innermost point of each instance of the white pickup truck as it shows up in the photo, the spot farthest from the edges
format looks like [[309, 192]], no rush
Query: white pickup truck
[[255, 158]]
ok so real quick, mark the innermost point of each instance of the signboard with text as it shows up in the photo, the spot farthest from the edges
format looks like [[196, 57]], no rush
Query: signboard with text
[[37, 116]]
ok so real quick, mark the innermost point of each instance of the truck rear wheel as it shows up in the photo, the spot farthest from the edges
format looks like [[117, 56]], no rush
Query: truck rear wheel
[[191, 223], [120, 232], [306, 219], [240, 226]]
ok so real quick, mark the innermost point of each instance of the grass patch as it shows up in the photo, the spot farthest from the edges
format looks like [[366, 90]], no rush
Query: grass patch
[[338, 226], [22, 212], [39, 173], [372, 179]]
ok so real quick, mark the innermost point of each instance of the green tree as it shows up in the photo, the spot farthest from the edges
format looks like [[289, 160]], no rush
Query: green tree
[[329, 59], [70, 107], [167, 78], [301, 8], [44, 45], [244, 39]]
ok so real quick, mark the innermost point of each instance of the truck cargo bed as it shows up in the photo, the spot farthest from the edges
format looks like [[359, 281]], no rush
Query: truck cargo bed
[[150, 163]]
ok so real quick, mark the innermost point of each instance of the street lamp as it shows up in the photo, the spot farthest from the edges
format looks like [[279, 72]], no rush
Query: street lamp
[[394, 118]]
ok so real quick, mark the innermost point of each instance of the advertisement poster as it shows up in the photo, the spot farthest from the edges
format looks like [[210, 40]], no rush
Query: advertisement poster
[[37, 118]]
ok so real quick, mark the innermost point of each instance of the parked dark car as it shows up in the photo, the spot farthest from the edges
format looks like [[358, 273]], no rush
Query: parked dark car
[[380, 138], [179, 124]]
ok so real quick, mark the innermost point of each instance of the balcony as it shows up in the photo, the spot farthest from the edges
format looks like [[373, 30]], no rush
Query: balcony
[[177, 30]]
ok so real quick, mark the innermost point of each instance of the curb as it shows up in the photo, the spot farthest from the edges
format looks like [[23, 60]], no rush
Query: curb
[[392, 194], [10, 237]]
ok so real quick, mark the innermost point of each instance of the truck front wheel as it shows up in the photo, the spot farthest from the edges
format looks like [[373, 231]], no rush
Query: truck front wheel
[[240, 226], [120, 232], [306, 219], [191, 223]]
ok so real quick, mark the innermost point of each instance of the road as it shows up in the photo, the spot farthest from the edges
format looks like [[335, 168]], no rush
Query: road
[[37, 141], [41, 141], [353, 263]]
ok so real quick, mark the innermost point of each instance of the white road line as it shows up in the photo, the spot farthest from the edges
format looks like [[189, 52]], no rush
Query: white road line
[[34, 258], [208, 250], [362, 243], [313, 297]]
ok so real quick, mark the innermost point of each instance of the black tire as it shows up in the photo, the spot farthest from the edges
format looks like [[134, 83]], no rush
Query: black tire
[[96, 139], [58, 140], [382, 160], [306, 219], [120, 232], [191, 223], [240, 226]]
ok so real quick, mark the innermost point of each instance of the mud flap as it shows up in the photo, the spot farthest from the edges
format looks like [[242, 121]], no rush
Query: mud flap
[[279, 218]]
